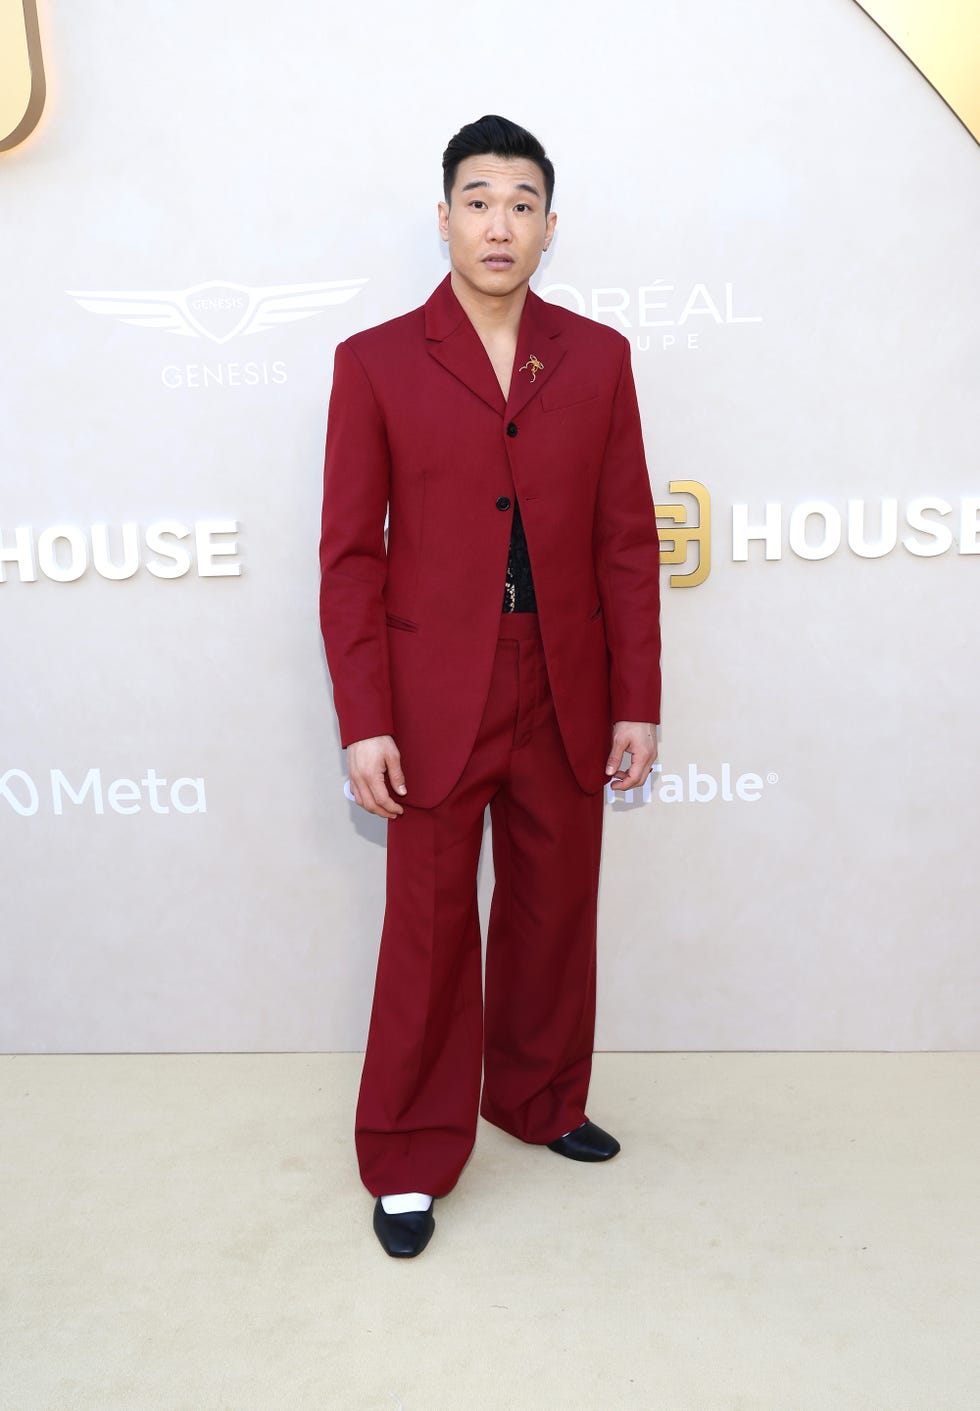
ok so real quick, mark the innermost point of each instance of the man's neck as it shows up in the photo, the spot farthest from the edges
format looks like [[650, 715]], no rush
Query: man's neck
[[493, 317]]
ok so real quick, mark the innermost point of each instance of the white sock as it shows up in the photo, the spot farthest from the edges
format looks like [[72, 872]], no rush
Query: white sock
[[401, 1204]]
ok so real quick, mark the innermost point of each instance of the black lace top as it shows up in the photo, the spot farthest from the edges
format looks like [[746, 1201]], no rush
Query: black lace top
[[518, 585]]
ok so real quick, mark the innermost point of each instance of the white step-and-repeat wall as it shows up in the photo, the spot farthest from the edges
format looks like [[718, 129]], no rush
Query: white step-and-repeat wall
[[783, 217]]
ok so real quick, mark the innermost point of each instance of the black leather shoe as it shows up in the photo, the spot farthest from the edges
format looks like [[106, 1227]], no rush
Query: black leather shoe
[[586, 1143], [403, 1236]]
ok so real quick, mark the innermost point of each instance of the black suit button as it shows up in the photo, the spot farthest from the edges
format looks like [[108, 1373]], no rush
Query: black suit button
[[512, 428], [503, 503]]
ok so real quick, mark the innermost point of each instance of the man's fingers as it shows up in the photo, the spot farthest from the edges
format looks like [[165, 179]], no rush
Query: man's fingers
[[367, 761], [638, 739], [638, 772], [385, 803], [630, 779], [369, 791], [615, 761]]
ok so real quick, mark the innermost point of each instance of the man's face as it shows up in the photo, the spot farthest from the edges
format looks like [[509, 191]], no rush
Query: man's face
[[495, 223]]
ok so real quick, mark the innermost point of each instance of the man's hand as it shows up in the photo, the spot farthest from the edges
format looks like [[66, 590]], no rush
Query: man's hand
[[639, 739], [367, 763]]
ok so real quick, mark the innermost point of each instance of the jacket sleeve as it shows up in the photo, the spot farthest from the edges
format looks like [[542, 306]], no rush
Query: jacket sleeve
[[353, 560], [627, 557]]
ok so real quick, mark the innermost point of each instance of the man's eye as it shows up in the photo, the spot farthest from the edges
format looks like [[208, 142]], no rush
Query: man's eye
[[522, 206], [478, 205]]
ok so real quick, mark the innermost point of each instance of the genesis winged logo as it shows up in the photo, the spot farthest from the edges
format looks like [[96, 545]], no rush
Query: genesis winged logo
[[218, 311]]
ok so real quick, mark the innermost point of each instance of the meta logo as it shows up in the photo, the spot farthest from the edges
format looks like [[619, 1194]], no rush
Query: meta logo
[[90, 793], [677, 315], [165, 549]]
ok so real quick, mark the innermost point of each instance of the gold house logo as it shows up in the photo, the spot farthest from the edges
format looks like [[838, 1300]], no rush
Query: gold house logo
[[21, 72], [682, 537]]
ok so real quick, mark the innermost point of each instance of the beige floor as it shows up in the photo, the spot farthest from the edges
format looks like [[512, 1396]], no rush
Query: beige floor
[[781, 1233]]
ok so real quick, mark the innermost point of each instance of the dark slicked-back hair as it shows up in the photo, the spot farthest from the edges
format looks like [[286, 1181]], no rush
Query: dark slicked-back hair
[[494, 136]]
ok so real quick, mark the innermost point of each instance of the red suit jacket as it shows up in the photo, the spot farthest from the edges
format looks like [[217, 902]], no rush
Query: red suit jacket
[[418, 426]]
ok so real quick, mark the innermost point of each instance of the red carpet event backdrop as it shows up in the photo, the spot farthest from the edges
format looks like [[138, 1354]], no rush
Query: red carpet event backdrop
[[780, 212]]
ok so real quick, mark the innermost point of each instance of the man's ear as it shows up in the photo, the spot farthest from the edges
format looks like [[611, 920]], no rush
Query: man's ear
[[550, 228], [444, 219]]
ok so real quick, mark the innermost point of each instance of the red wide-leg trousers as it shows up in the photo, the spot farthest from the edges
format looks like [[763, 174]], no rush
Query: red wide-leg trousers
[[432, 1026]]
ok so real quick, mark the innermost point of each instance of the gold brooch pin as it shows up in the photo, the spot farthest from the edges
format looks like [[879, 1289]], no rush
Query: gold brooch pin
[[535, 364]]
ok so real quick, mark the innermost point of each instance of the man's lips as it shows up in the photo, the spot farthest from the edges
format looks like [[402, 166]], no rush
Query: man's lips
[[497, 260]]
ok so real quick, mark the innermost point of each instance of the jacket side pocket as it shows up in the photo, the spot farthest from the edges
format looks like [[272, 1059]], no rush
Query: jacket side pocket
[[401, 623]]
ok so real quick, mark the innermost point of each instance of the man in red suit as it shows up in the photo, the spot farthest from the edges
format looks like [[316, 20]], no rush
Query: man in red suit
[[502, 648]]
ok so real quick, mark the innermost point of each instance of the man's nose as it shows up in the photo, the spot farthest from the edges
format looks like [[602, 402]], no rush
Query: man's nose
[[499, 226]]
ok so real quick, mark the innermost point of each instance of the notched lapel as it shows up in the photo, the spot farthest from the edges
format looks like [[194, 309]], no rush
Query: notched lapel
[[540, 348], [454, 342]]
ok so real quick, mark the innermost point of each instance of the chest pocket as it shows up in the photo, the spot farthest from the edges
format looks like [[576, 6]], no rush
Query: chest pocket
[[553, 399]]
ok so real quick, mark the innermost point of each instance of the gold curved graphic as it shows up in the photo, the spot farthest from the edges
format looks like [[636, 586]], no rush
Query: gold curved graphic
[[678, 534], [21, 72], [942, 39]]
